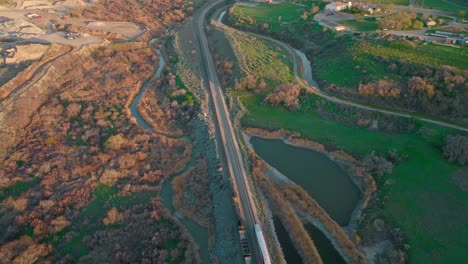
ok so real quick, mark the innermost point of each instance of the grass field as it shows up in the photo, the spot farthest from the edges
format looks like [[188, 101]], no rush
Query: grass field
[[448, 5], [366, 24], [430, 55], [261, 59], [395, 2], [361, 54], [274, 15], [422, 201]]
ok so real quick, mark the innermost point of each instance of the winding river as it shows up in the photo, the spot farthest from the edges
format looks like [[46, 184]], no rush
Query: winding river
[[198, 233], [134, 105]]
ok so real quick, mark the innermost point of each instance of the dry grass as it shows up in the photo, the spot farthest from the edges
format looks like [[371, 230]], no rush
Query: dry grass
[[303, 202], [192, 194], [288, 217]]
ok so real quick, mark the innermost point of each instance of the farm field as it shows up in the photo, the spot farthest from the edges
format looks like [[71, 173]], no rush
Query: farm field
[[395, 2], [430, 55]]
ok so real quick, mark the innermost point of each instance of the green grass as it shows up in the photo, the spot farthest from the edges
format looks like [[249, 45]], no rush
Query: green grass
[[271, 14], [447, 5], [365, 24], [395, 2], [430, 55], [330, 67], [17, 189], [261, 59], [422, 200], [105, 198]]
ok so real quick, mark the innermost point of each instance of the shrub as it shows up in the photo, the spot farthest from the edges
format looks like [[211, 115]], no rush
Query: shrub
[[456, 149], [377, 165]]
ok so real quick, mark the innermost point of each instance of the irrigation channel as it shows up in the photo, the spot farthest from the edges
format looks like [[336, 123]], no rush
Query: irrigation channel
[[198, 233]]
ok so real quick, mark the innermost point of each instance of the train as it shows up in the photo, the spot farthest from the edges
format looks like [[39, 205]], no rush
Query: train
[[261, 245], [245, 245]]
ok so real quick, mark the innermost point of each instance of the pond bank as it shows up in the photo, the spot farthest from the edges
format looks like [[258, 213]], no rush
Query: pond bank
[[341, 237], [349, 164]]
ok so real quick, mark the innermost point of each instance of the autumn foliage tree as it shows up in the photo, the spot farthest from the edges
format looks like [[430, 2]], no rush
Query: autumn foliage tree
[[286, 95]]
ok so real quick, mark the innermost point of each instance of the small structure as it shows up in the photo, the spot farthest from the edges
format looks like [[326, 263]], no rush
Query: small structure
[[337, 6], [33, 15], [73, 35], [339, 28], [10, 53], [429, 22]]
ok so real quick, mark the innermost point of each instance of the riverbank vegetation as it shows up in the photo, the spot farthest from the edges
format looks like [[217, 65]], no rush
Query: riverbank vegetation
[[192, 194], [78, 180]]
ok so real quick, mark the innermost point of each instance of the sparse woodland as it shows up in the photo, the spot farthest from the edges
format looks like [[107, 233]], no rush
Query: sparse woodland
[[192, 194], [79, 179]]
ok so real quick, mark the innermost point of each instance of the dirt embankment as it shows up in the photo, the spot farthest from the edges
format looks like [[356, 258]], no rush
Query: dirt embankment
[[67, 27], [51, 54], [305, 204]]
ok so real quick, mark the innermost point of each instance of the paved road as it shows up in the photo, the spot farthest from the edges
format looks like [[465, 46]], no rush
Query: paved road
[[229, 143], [341, 101]]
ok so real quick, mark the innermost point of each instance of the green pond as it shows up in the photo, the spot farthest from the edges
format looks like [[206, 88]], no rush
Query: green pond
[[325, 248], [320, 177]]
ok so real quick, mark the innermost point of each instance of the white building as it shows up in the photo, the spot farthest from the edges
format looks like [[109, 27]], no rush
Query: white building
[[337, 6]]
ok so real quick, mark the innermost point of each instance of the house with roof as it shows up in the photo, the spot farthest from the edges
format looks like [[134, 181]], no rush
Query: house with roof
[[337, 6], [429, 22]]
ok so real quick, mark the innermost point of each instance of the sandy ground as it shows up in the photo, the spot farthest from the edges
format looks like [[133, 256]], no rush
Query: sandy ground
[[35, 4], [59, 39], [20, 29], [126, 29], [27, 52]]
